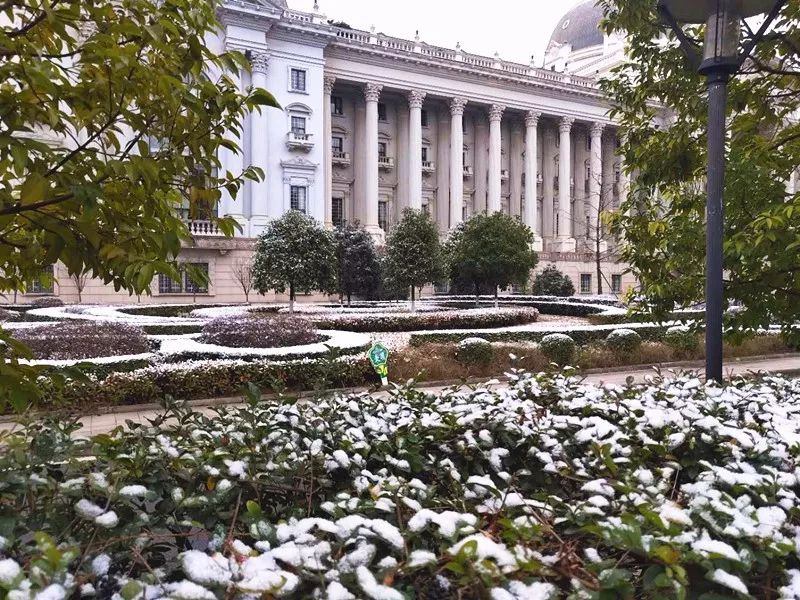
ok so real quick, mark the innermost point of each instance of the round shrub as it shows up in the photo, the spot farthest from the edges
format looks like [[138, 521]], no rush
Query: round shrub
[[474, 351], [681, 339], [623, 341], [262, 330], [83, 339], [552, 282], [558, 347], [47, 302]]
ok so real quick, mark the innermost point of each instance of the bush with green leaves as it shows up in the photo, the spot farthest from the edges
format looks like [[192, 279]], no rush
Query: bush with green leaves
[[552, 282], [474, 351], [46, 302], [552, 488], [558, 347], [83, 339], [682, 339], [9, 315], [623, 341]]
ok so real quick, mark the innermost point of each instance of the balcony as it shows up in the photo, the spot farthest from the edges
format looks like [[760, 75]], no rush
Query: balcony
[[467, 171], [299, 140], [385, 163], [341, 159], [428, 166], [504, 174], [203, 228]]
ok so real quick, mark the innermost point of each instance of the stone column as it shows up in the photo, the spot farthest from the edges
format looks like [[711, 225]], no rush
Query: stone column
[[596, 182], [261, 209], [529, 216], [372, 93], [548, 188], [456, 160], [415, 99], [494, 201], [443, 131], [327, 88], [481, 147], [233, 161], [401, 164], [515, 171], [564, 242]]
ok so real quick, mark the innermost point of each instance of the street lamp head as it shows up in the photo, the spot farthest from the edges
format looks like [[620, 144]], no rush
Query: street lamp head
[[723, 27]]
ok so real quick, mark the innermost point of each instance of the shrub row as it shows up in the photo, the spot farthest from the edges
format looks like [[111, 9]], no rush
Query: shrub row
[[83, 339], [206, 379], [259, 331], [465, 319], [545, 307], [165, 310], [580, 336]]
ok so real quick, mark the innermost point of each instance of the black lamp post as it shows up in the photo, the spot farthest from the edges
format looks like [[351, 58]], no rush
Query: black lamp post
[[720, 59]]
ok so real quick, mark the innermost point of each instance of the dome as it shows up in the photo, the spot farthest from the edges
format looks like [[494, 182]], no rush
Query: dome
[[579, 28]]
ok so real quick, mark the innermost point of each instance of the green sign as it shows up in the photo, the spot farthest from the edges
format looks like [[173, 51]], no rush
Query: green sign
[[379, 356]]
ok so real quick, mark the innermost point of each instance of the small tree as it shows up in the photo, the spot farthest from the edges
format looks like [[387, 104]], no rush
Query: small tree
[[294, 252], [80, 278], [491, 252], [552, 282], [413, 252], [243, 274], [357, 263]]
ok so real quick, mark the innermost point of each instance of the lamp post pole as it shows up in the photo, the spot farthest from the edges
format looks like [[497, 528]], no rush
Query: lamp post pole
[[717, 81]]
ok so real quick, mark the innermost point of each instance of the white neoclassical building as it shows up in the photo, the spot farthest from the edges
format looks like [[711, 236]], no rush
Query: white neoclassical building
[[371, 124]]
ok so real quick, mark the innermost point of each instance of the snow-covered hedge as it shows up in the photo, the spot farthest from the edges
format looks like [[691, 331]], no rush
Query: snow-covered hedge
[[558, 347], [623, 341], [441, 319], [550, 489]]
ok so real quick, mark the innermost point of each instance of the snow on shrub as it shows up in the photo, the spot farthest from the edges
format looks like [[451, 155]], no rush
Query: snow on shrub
[[681, 339], [47, 302], [558, 347], [474, 350], [551, 488], [83, 339], [258, 331], [9, 315], [442, 319], [623, 341]]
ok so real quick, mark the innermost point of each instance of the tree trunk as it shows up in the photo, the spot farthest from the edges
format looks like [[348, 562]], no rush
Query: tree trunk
[[291, 298], [349, 300], [247, 297], [496, 299], [413, 305], [477, 295]]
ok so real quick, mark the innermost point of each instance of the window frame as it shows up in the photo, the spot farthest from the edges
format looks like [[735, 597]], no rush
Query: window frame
[[337, 106], [340, 222], [296, 130], [616, 283], [304, 79], [587, 279], [382, 114], [423, 117], [302, 198], [383, 150], [189, 286], [383, 215], [36, 288], [340, 140]]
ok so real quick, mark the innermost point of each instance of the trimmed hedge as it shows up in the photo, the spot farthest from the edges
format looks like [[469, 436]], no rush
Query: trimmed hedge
[[83, 339], [166, 310], [563, 307], [581, 336], [176, 329], [558, 347], [428, 321], [46, 302], [259, 331], [200, 380]]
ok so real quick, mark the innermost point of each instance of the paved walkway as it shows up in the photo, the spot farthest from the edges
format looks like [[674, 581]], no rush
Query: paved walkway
[[789, 365]]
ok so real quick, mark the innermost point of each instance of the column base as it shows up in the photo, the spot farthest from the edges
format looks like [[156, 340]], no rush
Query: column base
[[257, 225], [538, 243], [378, 234], [563, 245]]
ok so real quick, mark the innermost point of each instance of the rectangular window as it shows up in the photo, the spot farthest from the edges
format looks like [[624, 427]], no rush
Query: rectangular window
[[586, 283], [424, 154], [337, 108], [381, 150], [337, 212], [588, 143], [381, 111], [297, 197], [299, 126], [616, 284], [423, 116], [337, 144], [167, 285], [192, 287], [426, 208], [44, 283], [383, 215], [298, 82]]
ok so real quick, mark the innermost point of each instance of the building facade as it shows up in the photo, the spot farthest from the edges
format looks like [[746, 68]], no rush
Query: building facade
[[372, 124]]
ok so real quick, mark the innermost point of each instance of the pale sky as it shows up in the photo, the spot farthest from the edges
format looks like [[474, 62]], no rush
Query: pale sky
[[514, 28]]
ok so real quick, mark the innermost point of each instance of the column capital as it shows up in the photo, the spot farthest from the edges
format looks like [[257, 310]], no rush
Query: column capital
[[327, 83], [496, 112], [415, 98], [372, 92], [259, 63], [532, 118], [565, 124], [597, 129], [457, 105]]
